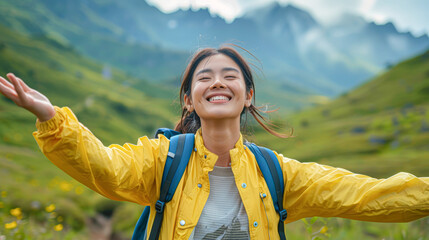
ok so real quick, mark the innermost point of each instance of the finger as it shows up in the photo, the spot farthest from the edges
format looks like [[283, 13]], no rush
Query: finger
[[21, 94], [23, 85], [8, 92], [6, 88], [6, 83]]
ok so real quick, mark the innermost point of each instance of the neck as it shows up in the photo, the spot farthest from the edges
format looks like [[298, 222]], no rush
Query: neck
[[220, 137]]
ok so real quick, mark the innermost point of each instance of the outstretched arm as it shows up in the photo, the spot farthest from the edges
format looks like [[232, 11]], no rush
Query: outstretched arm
[[313, 189], [126, 173]]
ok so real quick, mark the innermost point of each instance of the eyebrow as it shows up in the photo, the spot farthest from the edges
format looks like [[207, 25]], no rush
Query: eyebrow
[[226, 69]]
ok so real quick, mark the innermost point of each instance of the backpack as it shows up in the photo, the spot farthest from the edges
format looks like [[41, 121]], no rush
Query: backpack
[[180, 150]]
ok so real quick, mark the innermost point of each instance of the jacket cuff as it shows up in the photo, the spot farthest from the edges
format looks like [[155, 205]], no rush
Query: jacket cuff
[[52, 123]]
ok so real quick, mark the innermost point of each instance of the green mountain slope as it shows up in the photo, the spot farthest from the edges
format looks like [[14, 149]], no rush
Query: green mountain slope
[[379, 129], [110, 108]]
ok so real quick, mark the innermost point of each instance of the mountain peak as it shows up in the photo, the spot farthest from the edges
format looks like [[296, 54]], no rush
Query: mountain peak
[[388, 27], [275, 12], [276, 8]]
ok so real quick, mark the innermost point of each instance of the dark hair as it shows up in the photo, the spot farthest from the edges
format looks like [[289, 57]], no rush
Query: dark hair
[[190, 121]]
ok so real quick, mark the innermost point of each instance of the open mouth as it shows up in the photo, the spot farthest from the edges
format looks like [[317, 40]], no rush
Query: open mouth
[[217, 99]]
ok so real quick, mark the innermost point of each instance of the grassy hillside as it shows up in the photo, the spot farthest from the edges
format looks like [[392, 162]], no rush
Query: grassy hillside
[[114, 111], [380, 128]]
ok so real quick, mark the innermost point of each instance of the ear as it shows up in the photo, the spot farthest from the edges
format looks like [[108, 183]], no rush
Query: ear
[[188, 103], [249, 96]]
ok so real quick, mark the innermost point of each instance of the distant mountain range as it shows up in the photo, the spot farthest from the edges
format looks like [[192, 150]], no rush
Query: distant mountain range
[[298, 54]]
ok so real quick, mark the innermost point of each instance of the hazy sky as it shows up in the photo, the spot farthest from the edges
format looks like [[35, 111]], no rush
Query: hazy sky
[[407, 15]]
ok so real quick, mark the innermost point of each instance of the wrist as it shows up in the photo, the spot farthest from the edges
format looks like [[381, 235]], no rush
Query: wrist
[[50, 113]]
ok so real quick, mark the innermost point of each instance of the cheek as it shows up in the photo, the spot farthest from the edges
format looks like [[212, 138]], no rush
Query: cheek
[[197, 92], [241, 89]]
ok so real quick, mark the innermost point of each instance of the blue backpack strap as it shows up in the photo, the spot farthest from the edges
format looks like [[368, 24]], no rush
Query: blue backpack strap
[[168, 133], [270, 168], [140, 229], [180, 151]]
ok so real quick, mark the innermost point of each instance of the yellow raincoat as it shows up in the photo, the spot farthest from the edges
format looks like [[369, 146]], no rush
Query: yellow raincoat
[[133, 173]]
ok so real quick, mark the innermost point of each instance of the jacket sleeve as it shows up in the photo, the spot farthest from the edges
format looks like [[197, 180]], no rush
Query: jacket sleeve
[[124, 173], [313, 189]]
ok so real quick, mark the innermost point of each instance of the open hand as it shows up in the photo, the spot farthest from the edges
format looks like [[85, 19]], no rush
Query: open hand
[[26, 97]]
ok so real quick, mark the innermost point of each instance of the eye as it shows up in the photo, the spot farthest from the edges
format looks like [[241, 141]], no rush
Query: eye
[[230, 77], [204, 78]]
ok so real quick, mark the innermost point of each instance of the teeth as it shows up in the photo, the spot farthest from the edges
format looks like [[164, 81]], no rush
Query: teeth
[[216, 98]]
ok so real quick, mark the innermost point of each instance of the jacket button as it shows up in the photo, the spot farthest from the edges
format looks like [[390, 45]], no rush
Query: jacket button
[[205, 156], [243, 185], [255, 224], [195, 149], [200, 185], [182, 222]]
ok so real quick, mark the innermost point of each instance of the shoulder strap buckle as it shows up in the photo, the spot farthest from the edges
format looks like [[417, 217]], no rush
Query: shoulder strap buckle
[[283, 215], [159, 206]]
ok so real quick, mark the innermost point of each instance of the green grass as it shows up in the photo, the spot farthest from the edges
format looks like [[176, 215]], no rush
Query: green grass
[[339, 228]]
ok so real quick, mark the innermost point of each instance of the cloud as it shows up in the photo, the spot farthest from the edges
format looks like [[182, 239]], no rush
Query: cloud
[[228, 9], [366, 5]]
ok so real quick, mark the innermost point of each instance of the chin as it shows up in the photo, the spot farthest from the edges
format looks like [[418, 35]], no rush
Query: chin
[[219, 115]]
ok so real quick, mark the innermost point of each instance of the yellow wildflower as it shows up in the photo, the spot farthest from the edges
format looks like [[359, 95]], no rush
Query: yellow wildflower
[[3, 194], [58, 227], [53, 215], [16, 212], [66, 186], [324, 229], [11, 225], [50, 208]]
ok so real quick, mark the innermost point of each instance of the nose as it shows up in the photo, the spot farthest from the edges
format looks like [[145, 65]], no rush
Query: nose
[[218, 83]]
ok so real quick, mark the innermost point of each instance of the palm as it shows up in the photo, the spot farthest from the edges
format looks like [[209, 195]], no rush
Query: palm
[[26, 97]]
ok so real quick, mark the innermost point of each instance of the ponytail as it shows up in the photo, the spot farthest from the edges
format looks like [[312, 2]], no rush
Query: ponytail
[[261, 119]]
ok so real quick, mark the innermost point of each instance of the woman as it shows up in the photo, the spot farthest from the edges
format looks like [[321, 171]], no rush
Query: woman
[[222, 193]]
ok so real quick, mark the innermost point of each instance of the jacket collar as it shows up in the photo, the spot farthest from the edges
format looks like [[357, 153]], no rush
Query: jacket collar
[[208, 159]]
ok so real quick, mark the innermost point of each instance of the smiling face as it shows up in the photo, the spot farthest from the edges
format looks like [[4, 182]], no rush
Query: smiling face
[[218, 90]]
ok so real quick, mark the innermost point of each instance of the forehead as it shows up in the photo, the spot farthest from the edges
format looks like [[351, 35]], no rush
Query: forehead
[[216, 63]]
